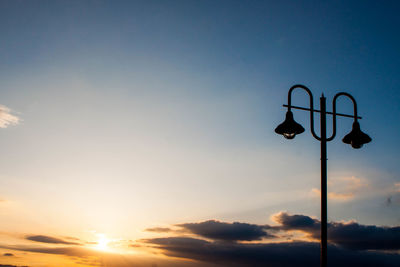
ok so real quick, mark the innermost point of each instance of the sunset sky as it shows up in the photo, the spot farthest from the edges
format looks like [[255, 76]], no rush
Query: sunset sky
[[141, 133]]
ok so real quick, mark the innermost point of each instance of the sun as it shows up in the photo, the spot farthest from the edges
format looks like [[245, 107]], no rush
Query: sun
[[102, 242]]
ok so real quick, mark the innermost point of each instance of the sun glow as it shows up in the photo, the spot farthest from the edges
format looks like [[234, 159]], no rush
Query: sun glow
[[102, 242]]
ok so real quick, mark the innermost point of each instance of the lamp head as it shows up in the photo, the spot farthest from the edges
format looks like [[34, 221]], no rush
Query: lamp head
[[289, 128], [356, 138]]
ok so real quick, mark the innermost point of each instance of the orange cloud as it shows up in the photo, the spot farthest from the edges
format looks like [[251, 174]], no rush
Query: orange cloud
[[334, 195], [397, 187], [343, 188]]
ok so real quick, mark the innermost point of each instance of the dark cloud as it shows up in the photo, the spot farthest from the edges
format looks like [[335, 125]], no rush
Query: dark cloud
[[49, 240], [8, 254], [350, 235], [159, 229], [356, 236], [350, 244], [227, 231], [7, 265], [272, 254], [296, 221]]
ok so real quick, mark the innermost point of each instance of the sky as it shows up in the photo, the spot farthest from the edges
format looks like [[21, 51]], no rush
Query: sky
[[141, 133]]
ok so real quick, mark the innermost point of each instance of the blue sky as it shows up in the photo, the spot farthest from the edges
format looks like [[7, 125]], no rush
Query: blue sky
[[136, 114]]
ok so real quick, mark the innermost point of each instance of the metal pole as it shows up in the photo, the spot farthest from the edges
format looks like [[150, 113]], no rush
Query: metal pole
[[324, 208]]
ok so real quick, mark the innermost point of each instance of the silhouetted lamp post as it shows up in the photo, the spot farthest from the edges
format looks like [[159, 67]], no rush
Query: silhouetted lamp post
[[356, 138]]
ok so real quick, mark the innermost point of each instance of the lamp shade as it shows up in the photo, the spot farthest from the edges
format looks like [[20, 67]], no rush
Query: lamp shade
[[289, 128], [356, 138]]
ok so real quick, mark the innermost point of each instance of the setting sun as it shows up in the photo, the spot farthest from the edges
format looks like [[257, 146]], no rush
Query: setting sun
[[102, 242]]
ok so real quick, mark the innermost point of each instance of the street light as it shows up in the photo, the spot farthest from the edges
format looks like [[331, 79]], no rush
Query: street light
[[356, 138]]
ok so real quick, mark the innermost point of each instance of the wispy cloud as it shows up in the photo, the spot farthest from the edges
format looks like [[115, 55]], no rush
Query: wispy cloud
[[342, 188], [397, 187], [159, 229], [8, 255], [6, 118], [49, 240], [81, 255], [333, 195], [67, 251]]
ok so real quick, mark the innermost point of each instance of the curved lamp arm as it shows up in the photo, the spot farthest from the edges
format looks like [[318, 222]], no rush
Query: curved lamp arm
[[334, 112], [311, 106]]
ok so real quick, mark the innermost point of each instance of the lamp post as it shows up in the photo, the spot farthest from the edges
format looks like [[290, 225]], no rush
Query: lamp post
[[356, 138]]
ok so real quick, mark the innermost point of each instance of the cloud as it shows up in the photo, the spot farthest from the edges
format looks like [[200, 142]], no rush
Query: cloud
[[77, 254], [8, 255], [296, 221], [349, 235], [6, 118], [340, 196], [300, 254], [333, 195], [362, 237], [215, 242], [397, 187], [342, 188], [350, 243], [159, 229], [67, 251], [49, 240], [227, 231], [231, 254], [90, 257]]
